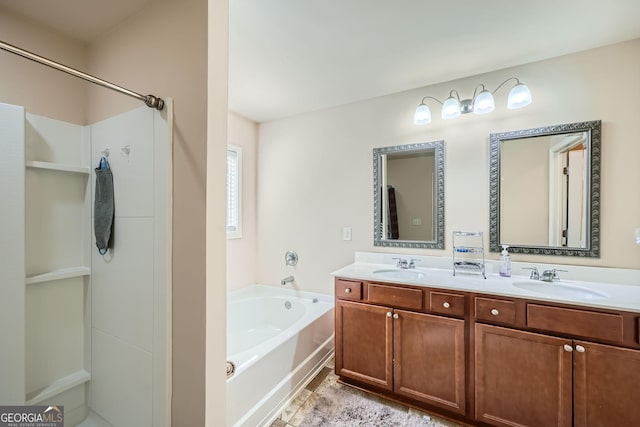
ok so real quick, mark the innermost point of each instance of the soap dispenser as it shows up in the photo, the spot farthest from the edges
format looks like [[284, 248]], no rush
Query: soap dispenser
[[505, 262]]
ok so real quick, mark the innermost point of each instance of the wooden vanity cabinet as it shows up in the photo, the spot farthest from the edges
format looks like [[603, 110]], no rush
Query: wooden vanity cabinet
[[525, 378], [606, 385], [429, 359], [531, 379], [408, 353], [522, 378], [364, 343], [512, 361]]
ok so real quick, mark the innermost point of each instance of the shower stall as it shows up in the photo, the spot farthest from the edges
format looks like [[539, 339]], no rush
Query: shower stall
[[78, 329]]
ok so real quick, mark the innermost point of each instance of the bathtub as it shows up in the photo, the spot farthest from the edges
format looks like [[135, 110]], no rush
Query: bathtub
[[277, 339]]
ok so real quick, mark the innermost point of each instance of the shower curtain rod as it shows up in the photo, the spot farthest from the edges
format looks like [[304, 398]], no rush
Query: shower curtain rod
[[150, 100]]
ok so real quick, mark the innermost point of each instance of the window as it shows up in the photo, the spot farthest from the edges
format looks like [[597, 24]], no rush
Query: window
[[234, 192]]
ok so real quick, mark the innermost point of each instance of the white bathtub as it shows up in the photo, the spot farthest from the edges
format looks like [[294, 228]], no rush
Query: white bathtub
[[278, 339]]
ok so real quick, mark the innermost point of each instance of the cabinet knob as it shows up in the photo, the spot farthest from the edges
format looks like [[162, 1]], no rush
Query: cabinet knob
[[388, 314], [446, 305], [568, 348], [580, 349], [395, 315], [494, 311], [347, 291]]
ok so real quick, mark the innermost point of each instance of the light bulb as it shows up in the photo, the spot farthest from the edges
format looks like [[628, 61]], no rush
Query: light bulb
[[484, 103], [519, 97], [450, 108], [422, 115]]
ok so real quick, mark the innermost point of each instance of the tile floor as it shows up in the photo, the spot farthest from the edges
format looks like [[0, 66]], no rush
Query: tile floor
[[305, 400]]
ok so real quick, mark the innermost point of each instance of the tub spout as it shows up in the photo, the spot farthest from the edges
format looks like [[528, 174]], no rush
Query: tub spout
[[288, 279]]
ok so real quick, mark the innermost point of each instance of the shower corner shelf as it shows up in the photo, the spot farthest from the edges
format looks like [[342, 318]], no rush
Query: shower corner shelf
[[60, 167], [63, 273], [58, 386]]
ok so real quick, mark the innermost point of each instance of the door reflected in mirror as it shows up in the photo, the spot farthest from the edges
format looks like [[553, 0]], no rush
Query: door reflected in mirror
[[544, 192], [409, 195]]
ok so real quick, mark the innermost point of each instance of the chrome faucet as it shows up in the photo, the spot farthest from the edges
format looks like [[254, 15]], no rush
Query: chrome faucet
[[546, 276], [402, 263], [288, 279], [406, 264], [551, 275], [535, 274]]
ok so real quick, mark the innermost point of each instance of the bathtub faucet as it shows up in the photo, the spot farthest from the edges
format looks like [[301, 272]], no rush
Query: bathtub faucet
[[288, 279]]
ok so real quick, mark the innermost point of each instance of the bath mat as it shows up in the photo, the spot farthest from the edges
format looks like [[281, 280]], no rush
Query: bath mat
[[341, 406]]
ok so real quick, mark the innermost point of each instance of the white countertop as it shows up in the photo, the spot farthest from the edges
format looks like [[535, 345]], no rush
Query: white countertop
[[624, 297]]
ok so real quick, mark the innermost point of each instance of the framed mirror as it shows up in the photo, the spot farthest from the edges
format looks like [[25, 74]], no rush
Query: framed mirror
[[408, 195], [544, 190]]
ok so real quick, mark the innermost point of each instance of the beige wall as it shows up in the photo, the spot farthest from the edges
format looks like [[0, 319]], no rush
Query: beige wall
[[163, 50], [242, 253], [40, 89], [315, 170], [216, 354]]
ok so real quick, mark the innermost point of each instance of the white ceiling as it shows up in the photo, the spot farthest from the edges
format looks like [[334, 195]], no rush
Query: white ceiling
[[81, 19], [291, 56]]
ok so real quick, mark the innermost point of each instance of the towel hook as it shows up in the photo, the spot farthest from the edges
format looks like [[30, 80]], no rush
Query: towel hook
[[126, 151], [105, 152]]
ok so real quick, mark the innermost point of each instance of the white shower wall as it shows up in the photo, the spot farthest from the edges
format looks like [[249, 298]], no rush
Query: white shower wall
[[56, 299], [95, 330], [128, 295], [12, 260]]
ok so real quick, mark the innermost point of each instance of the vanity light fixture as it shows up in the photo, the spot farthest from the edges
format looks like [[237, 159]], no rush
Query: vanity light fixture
[[480, 103]]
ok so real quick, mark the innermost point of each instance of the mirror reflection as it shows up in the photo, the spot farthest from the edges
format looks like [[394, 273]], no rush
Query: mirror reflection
[[409, 195], [552, 171], [544, 194]]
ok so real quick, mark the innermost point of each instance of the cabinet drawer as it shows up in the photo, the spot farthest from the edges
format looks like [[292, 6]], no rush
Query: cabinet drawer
[[496, 310], [588, 324], [396, 296], [347, 289], [445, 303]]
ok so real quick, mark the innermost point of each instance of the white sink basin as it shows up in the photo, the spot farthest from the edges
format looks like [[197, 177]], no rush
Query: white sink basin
[[560, 290], [397, 273]]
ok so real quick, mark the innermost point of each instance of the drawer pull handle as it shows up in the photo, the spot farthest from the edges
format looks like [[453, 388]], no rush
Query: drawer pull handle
[[568, 348], [347, 291], [494, 311], [446, 305], [395, 315], [388, 314], [580, 349]]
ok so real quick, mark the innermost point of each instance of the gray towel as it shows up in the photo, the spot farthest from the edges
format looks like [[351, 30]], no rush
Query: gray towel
[[104, 207]]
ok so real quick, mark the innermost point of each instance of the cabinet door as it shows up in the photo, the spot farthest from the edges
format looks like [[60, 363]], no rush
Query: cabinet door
[[429, 362], [364, 343], [522, 378], [606, 385]]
